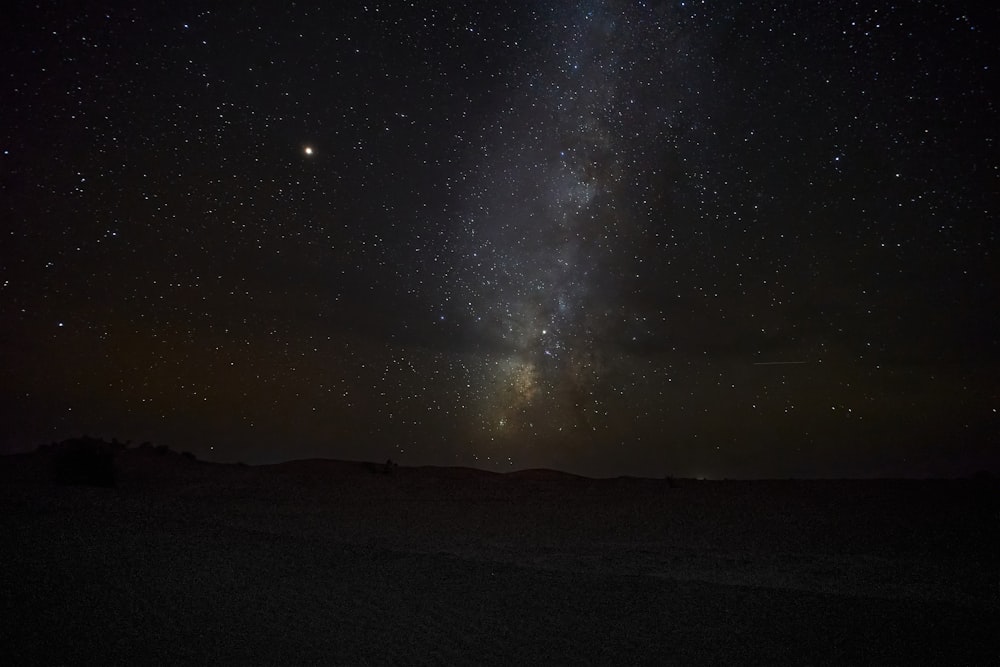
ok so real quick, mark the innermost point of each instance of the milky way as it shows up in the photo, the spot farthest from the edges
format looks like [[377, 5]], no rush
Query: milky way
[[546, 235], [611, 237]]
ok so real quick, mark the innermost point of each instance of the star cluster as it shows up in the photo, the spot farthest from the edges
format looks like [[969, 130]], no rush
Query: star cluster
[[610, 237]]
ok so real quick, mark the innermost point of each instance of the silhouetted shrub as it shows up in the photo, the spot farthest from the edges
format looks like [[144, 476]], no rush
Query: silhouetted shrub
[[84, 461], [189, 455], [162, 450]]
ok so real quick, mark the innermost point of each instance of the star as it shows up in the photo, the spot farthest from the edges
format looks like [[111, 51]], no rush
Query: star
[[619, 263]]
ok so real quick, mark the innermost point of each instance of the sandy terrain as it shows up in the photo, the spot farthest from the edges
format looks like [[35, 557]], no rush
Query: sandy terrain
[[336, 563]]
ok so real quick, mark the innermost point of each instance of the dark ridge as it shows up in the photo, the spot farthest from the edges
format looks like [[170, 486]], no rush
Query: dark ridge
[[455, 472], [317, 466], [98, 462], [544, 475]]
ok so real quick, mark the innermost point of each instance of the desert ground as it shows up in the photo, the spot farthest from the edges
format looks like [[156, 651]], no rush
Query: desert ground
[[327, 562]]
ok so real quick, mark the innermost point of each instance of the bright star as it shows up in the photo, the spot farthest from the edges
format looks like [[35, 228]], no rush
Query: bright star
[[308, 150]]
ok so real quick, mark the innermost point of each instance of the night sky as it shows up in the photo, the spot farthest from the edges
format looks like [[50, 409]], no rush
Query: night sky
[[688, 238]]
